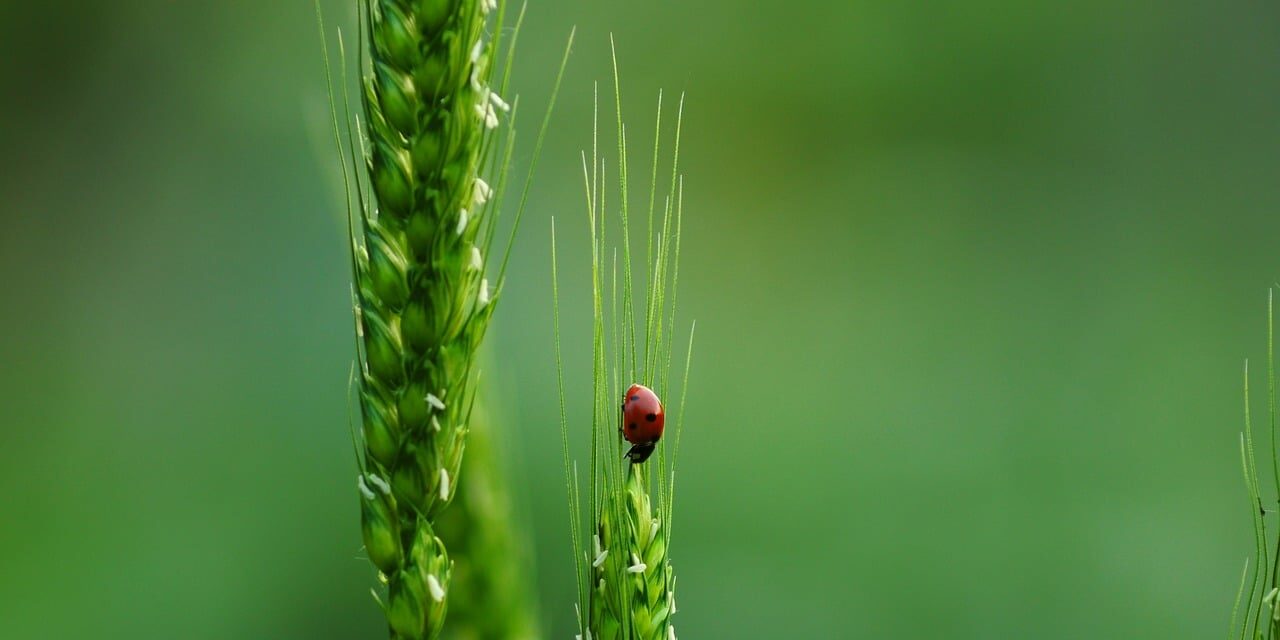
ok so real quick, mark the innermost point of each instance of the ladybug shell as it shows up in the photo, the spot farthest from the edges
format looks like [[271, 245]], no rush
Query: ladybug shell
[[642, 415]]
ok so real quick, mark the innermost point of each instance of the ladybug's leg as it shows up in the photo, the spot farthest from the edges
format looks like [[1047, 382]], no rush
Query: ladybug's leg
[[641, 452]]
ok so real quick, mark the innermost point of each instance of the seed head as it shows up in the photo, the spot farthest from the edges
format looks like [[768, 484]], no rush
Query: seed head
[[428, 67]]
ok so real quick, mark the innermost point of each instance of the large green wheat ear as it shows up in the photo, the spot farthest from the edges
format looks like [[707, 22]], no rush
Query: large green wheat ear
[[428, 165], [1259, 589], [625, 578]]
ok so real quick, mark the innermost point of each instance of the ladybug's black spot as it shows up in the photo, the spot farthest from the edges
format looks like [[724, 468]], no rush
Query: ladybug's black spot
[[634, 398], [651, 417], [632, 426]]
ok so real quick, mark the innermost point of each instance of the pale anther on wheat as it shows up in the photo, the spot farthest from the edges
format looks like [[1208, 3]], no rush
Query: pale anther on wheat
[[484, 110], [482, 298], [435, 424], [462, 221], [499, 102], [435, 401], [653, 530], [437, 592], [364, 490], [638, 566], [482, 190], [444, 484], [380, 484], [477, 262], [600, 554]]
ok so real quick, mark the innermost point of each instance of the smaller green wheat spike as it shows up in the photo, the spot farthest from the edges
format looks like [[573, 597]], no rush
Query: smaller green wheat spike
[[621, 536]]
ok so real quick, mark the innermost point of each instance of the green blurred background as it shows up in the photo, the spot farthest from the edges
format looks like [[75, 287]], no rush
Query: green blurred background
[[974, 282]]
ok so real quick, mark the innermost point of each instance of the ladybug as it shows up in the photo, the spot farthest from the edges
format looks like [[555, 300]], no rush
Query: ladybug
[[642, 421]]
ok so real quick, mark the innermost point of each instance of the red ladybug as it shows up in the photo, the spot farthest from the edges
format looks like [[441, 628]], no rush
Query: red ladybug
[[642, 421]]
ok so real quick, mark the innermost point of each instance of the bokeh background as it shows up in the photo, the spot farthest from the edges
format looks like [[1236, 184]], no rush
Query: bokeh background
[[974, 283]]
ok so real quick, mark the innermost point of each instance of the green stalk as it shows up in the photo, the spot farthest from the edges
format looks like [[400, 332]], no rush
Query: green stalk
[[492, 598], [626, 582]]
